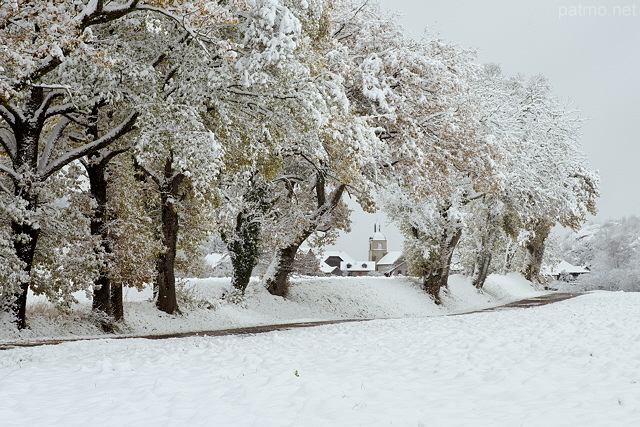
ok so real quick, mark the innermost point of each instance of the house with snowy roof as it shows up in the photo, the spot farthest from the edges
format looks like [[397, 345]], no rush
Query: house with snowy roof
[[341, 264], [392, 264], [359, 268], [336, 258], [566, 271]]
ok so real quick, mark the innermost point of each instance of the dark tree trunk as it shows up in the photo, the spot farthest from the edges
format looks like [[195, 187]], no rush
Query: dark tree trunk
[[29, 170], [535, 247], [485, 254], [27, 135], [97, 170], [483, 261], [437, 277], [25, 247], [166, 279], [117, 307], [278, 282], [97, 165]]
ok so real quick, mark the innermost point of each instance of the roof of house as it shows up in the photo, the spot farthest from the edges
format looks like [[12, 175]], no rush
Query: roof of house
[[390, 258], [565, 267], [326, 268], [215, 258], [342, 255]]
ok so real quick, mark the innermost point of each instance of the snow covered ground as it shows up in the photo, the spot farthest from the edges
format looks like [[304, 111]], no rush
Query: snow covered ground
[[204, 307], [573, 363]]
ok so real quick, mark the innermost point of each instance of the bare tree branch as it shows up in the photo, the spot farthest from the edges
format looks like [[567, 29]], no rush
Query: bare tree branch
[[41, 112], [125, 127], [8, 141], [11, 115], [51, 142], [148, 173], [9, 171]]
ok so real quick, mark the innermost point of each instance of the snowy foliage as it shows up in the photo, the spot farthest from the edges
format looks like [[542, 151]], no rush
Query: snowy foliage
[[417, 94], [252, 120], [611, 250]]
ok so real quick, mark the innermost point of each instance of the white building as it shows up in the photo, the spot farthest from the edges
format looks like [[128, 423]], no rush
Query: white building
[[392, 264], [340, 263], [566, 271]]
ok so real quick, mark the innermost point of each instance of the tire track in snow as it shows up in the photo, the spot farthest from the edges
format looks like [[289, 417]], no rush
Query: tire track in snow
[[252, 330]]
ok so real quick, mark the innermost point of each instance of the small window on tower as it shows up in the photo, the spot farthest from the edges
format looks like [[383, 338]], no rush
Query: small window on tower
[[379, 245]]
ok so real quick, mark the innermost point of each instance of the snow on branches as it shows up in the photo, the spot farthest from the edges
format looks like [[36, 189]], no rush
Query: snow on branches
[[254, 118]]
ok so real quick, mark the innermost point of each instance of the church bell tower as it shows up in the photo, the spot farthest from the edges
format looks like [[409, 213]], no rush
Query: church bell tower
[[377, 244]]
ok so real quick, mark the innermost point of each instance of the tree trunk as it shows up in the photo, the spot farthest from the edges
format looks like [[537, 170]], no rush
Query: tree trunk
[[96, 169], [481, 271], [437, 277], [277, 277], [26, 126], [166, 278], [25, 233], [535, 247], [485, 254], [26, 238], [117, 306]]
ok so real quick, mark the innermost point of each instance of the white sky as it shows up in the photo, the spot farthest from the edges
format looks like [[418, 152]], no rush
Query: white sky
[[591, 57]]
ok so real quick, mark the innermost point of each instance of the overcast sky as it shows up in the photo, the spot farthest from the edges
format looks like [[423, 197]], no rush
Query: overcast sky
[[588, 50]]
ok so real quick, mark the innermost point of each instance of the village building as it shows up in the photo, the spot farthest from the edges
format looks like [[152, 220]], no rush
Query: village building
[[338, 263], [388, 263], [566, 271], [392, 264], [377, 245]]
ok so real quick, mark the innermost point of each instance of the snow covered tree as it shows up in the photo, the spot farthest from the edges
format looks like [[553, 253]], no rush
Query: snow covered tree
[[242, 229], [319, 145], [49, 62], [546, 179], [254, 113], [417, 94], [181, 157], [318, 210], [612, 252], [431, 154], [433, 227]]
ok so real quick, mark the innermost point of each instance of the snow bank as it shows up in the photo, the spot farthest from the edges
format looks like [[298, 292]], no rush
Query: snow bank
[[573, 363], [205, 305]]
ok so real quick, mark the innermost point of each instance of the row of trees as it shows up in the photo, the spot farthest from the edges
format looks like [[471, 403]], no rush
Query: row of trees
[[502, 225], [132, 130]]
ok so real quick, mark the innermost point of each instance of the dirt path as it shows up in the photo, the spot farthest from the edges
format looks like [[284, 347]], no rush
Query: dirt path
[[529, 302], [251, 330]]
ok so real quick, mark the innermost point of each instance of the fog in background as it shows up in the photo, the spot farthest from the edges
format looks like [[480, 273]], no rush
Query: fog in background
[[590, 53]]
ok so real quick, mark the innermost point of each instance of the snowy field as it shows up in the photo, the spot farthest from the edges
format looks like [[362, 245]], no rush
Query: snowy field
[[573, 363], [205, 307]]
